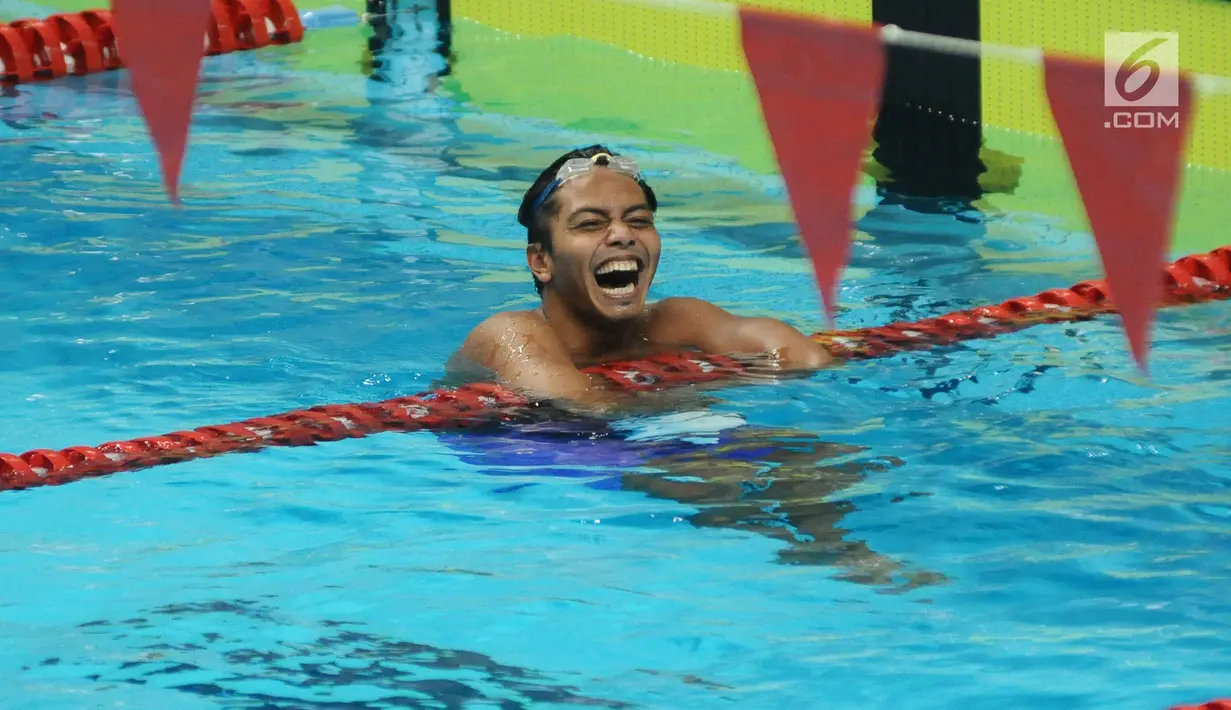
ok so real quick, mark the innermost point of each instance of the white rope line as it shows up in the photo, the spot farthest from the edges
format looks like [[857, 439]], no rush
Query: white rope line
[[896, 36], [365, 17]]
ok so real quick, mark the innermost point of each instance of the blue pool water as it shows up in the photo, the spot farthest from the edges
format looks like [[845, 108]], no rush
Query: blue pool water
[[1018, 523]]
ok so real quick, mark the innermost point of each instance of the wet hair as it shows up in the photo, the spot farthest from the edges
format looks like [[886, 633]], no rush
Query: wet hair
[[538, 222]]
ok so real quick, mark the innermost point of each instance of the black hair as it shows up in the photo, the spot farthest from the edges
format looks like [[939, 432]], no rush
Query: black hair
[[537, 222]]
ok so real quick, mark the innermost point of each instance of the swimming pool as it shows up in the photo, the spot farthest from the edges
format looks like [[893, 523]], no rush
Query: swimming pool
[[1021, 521]]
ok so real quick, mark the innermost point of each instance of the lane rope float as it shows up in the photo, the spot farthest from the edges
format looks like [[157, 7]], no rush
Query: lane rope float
[[1192, 279], [78, 43]]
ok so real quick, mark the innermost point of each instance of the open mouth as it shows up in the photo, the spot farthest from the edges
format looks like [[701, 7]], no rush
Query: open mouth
[[618, 278]]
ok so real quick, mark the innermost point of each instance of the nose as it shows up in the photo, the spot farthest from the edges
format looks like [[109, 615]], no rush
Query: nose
[[621, 235]]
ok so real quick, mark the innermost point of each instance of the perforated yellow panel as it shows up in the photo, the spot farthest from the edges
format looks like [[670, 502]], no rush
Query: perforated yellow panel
[[668, 30], [1013, 93], [852, 10], [523, 57]]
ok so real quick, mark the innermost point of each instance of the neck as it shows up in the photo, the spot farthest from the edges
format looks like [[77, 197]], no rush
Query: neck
[[585, 339]]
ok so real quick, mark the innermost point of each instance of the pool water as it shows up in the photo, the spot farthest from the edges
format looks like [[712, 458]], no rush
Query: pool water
[[1022, 522]]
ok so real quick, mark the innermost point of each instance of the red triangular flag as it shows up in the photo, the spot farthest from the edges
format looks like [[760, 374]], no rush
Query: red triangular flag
[[820, 87], [1127, 166], [162, 42]]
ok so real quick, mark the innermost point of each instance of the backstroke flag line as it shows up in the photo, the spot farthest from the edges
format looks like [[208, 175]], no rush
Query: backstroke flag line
[[820, 85], [163, 43], [820, 88], [1129, 179]]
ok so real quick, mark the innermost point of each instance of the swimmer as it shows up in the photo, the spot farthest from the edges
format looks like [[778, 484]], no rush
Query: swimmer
[[593, 250]]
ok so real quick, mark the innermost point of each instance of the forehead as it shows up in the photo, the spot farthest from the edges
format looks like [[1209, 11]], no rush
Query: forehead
[[600, 188]]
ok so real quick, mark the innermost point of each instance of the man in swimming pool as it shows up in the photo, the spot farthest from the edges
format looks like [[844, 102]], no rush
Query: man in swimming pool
[[593, 250]]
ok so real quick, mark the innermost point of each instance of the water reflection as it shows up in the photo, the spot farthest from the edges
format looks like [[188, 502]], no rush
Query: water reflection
[[777, 482], [411, 43], [180, 646]]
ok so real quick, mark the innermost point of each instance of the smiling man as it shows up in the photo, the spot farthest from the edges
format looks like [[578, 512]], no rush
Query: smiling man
[[593, 250]]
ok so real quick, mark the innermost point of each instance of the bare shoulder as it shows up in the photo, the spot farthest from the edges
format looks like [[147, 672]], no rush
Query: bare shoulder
[[678, 306], [506, 322], [684, 321], [503, 335]]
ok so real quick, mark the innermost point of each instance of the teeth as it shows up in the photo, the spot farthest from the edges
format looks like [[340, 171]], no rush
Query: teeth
[[621, 291], [626, 265]]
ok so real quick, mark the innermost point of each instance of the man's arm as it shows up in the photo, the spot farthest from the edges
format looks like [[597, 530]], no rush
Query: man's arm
[[691, 322], [525, 356]]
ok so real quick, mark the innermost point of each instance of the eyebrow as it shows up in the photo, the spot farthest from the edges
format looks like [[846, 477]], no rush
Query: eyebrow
[[603, 213]]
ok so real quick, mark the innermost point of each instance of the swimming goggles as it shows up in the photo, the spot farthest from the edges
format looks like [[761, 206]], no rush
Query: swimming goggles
[[576, 167]]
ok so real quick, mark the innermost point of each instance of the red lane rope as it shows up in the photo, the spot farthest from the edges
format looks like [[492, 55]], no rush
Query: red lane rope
[[1193, 279], [84, 42]]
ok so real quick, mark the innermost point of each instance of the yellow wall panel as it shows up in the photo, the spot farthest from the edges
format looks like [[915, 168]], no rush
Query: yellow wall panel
[[1013, 93], [678, 31], [684, 32]]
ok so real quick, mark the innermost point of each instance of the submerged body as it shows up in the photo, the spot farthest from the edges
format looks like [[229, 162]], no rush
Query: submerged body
[[780, 483]]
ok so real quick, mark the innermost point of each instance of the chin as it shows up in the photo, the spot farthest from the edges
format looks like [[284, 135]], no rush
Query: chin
[[617, 309], [621, 313]]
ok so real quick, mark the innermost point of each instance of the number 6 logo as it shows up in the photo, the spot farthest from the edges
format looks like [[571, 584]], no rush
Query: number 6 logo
[[1149, 62], [1132, 64]]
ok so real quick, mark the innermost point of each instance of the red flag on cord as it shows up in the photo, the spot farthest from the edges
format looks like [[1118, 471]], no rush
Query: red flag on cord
[[1127, 162], [162, 42], [820, 87]]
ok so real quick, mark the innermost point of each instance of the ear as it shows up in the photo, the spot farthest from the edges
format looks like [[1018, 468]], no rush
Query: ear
[[539, 260]]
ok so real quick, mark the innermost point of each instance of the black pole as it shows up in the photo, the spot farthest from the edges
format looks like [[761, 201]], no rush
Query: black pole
[[929, 130], [378, 19], [382, 18], [444, 32]]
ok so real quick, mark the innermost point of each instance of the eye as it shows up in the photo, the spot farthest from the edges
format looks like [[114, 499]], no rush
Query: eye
[[642, 222], [590, 224]]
